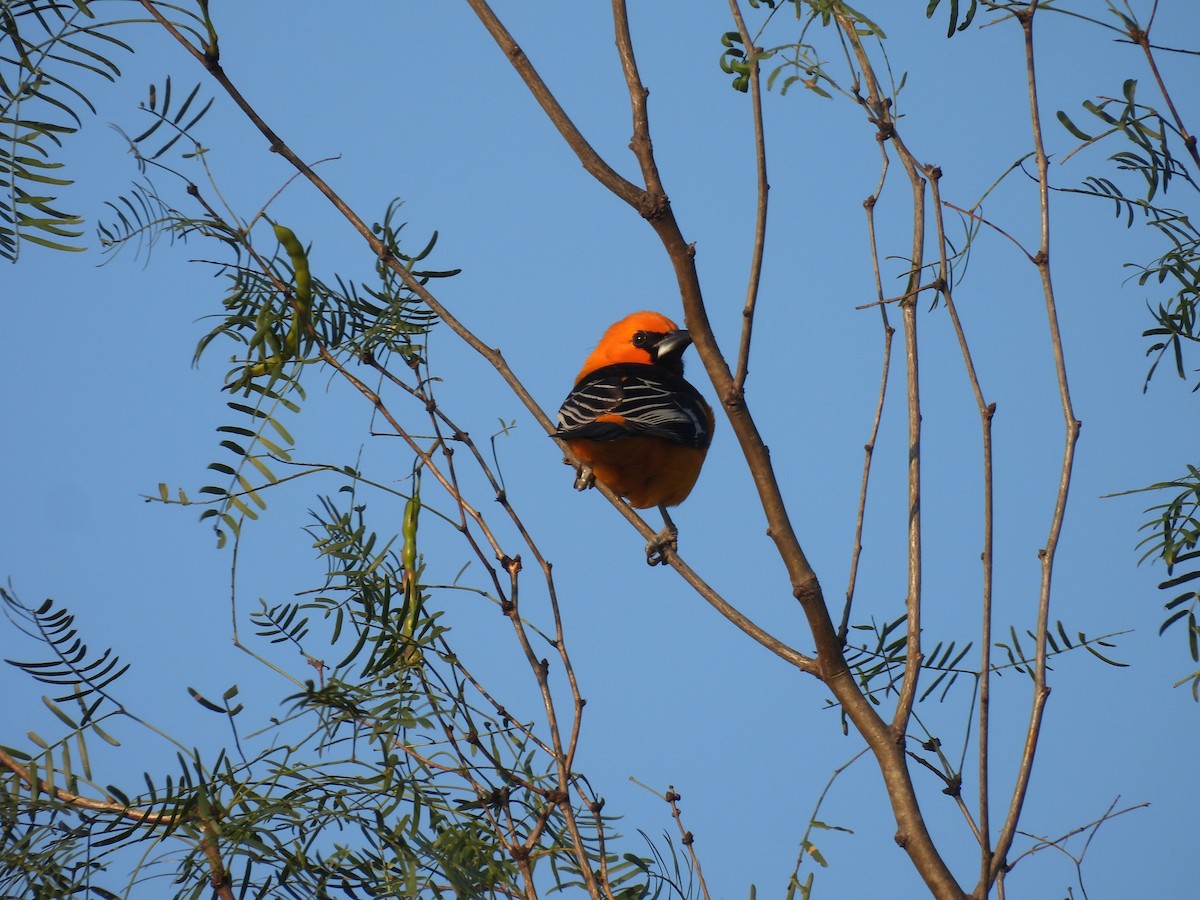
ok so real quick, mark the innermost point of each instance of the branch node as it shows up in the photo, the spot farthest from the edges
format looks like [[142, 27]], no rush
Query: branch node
[[519, 852], [735, 397], [953, 786]]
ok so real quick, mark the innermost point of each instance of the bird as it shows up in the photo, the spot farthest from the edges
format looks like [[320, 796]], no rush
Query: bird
[[633, 422]]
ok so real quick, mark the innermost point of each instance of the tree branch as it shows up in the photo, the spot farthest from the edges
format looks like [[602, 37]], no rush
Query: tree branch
[[879, 113], [986, 413], [1142, 39], [869, 447], [218, 874], [640, 144], [1041, 690], [760, 216], [592, 161]]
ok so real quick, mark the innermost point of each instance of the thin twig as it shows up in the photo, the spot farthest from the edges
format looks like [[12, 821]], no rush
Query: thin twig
[[760, 214], [977, 217], [812, 819], [909, 294], [592, 161], [1142, 39], [869, 447], [880, 113], [654, 198], [987, 412], [1093, 826], [1041, 691], [913, 833], [687, 838]]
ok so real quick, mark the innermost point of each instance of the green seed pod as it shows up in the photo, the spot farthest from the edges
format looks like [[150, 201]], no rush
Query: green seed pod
[[408, 556], [303, 296]]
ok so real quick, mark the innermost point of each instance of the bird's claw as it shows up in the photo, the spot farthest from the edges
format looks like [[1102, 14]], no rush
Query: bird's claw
[[668, 538], [585, 478]]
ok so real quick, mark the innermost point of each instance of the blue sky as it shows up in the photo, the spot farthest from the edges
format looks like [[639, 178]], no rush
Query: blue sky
[[414, 101]]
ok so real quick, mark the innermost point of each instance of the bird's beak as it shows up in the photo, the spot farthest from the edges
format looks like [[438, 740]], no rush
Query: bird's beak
[[671, 345]]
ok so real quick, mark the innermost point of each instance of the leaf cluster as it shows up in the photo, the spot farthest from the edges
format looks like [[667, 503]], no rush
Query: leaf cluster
[[1174, 538], [391, 773], [281, 317], [45, 48], [1159, 151], [1153, 157]]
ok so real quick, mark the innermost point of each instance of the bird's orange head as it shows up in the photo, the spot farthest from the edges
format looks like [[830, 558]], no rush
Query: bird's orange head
[[647, 338]]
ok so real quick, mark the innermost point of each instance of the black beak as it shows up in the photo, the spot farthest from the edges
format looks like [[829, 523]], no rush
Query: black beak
[[670, 347]]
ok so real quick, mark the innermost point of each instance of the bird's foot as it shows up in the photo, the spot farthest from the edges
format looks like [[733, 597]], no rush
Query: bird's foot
[[667, 538], [585, 478]]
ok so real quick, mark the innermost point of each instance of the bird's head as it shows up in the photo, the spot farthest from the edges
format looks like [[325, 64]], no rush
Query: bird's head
[[648, 338]]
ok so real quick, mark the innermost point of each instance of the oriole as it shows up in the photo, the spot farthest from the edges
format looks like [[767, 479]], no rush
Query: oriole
[[633, 421]]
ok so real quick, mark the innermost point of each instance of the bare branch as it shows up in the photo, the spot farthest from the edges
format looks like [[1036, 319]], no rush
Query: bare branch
[[869, 448], [879, 112], [687, 838], [640, 143], [1041, 690], [1142, 39], [977, 217], [917, 841], [1093, 827], [986, 413], [591, 160], [760, 216]]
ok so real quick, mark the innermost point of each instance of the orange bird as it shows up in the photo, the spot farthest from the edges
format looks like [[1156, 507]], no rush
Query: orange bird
[[633, 421]]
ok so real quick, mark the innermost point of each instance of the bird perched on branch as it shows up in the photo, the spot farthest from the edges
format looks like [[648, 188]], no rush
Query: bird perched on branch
[[634, 423]]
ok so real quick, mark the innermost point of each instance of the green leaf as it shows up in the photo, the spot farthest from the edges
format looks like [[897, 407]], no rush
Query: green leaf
[[811, 849], [53, 245], [1182, 579], [81, 747], [62, 716], [1072, 127], [207, 704], [104, 736]]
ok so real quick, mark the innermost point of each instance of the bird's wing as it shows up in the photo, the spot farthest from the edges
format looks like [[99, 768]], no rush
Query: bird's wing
[[624, 400]]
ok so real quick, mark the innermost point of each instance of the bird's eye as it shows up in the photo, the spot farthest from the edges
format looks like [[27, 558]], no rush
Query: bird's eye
[[641, 339]]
